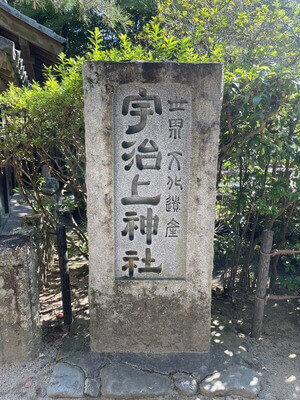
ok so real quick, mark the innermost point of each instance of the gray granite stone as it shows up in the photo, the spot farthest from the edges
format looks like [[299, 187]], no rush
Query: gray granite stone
[[168, 363], [185, 383], [197, 397], [234, 381], [124, 381], [199, 364], [169, 150], [90, 363], [20, 330], [66, 381], [234, 398], [200, 397], [92, 387], [179, 289]]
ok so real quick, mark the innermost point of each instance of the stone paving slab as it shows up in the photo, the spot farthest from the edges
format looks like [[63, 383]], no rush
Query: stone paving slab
[[66, 381], [90, 363], [124, 381], [236, 380], [101, 376], [201, 364]]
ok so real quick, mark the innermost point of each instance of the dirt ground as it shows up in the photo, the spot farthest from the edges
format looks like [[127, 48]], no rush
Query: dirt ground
[[276, 355]]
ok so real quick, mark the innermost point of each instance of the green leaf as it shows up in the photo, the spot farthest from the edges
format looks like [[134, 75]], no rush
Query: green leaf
[[256, 100]]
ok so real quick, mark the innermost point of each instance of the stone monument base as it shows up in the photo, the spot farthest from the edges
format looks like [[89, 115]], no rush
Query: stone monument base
[[226, 372], [139, 376], [167, 326]]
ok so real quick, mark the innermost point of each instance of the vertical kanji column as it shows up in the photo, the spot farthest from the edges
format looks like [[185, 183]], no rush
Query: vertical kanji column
[[152, 142]]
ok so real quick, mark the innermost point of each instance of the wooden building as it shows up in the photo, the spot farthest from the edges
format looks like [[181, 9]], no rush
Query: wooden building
[[25, 48]]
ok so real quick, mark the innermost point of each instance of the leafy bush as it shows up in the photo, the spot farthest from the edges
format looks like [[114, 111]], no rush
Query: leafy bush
[[258, 170], [44, 127]]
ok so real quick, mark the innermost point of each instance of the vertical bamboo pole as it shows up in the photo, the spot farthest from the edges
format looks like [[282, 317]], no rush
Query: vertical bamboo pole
[[262, 281]]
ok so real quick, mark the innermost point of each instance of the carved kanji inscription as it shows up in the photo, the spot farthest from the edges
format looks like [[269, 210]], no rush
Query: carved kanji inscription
[[152, 147]]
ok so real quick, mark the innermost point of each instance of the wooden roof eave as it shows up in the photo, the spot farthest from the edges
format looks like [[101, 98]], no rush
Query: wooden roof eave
[[27, 28], [12, 68]]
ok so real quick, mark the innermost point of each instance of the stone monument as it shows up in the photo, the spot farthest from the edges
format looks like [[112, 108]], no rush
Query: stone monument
[[152, 142], [20, 329]]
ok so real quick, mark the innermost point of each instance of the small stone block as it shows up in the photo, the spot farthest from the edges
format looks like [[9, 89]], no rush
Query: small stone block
[[124, 381], [66, 381], [235, 381], [92, 387], [185, 383]]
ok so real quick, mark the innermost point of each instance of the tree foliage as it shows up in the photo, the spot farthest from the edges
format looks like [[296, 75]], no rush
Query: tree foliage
[[258, 178], [258, 165], [44, 127], [258, 168], [73, 19], [238, 33]]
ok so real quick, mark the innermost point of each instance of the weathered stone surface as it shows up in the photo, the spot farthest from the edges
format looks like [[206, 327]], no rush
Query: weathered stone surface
[[234, 381], [197, 397], [169, 150], [92, 387], [124, 381], [169, 363], [234, 398], [183, 293], [19, 299], [185, 383], [198, 364], [78, 338], [90, 363], [66, 381]]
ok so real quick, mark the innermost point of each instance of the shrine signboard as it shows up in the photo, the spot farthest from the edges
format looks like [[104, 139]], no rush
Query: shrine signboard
[[152, 146], [151, 139]]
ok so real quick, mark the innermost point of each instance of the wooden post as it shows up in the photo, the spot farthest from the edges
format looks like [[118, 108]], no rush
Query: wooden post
[[4, 189], [262, 281], [64, 274]]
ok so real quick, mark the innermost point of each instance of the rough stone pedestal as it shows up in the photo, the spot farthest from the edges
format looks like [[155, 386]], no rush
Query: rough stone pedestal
[[19, 299], [152, 143]]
